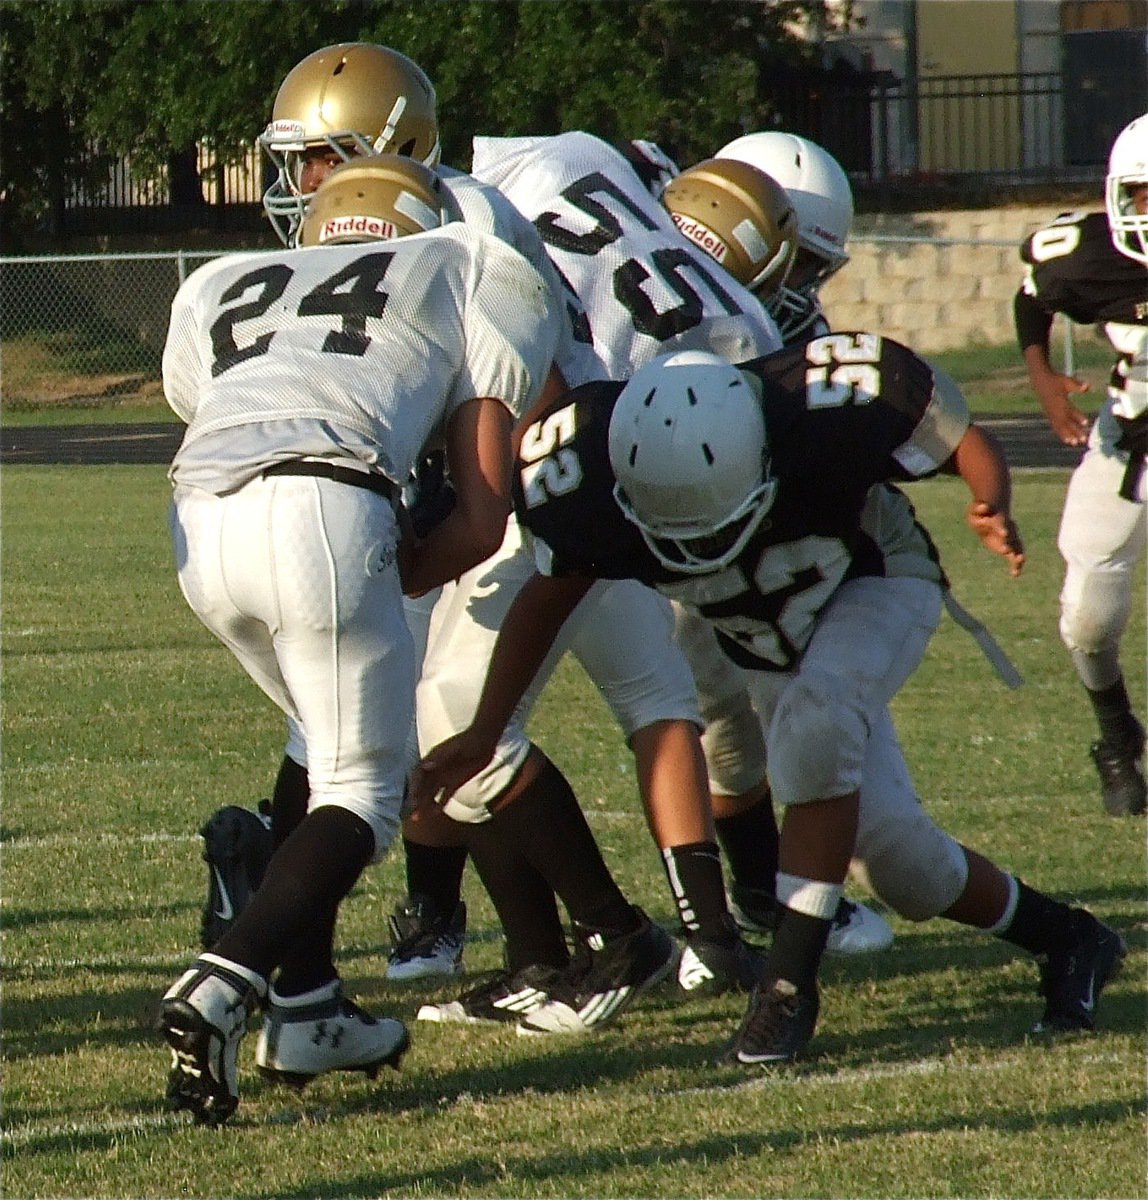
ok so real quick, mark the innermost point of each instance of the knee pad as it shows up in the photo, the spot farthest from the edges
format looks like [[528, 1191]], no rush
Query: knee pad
[[817, 739], [382, 815], [1094, 612], [734, 747], [912, 865]]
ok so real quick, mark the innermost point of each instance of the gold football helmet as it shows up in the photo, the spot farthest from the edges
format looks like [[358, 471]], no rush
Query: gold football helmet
[[350, 99], [372, 199], [740, 217]]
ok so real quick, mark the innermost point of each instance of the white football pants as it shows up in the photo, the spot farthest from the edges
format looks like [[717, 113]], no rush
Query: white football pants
[[297, 576]]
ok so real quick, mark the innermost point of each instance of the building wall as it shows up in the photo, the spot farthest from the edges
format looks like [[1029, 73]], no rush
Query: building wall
[[953, 287]]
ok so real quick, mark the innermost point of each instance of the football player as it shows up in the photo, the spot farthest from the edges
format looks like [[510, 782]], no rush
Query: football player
[[311, 381], [643, 288], [339, 102], [733, 208], [1092, 268], [819, 191], [706, 482], [462, 625]]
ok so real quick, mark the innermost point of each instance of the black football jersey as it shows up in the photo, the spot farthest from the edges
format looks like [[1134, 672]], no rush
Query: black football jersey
[[1073, 268], [843, 413]]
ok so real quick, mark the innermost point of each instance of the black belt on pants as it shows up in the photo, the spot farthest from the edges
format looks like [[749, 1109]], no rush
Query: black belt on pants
[[372, 481]]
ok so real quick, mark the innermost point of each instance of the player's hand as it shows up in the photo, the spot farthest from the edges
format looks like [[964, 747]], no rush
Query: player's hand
[[999, 533], [449, 765], [1068, 422]]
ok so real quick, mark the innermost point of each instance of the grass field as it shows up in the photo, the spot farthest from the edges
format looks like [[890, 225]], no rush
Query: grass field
[[125, 725]]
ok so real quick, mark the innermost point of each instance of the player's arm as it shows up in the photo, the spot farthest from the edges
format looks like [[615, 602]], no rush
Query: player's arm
[[979, 461], [1053, 389], [527, 633], [554, 386], [479, 461]]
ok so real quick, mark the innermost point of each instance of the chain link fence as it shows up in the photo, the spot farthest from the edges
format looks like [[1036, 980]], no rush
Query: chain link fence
[[83, 329]]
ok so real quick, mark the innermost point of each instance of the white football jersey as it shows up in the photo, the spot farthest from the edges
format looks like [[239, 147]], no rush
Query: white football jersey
[[358, 352], [483, 206], [646, 288]]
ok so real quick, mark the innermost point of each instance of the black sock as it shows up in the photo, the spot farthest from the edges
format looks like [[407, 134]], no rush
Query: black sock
[[694, 872], [310, 960], [523, 900], [1039, 924], [749, 841], [310, 873], [289, 800], [435, 871], [1114, 713], [549, 830], [797, 947]]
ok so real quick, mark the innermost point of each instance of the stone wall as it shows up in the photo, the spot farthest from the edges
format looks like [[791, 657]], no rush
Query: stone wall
[[936, 281]]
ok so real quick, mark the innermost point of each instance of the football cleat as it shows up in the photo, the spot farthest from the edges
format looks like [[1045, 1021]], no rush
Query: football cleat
[[203, 1016], [857, 929], [320, 1031], [604, 978], [426, 944], [1071, 979], [499, 997], [777, 1025], [1121, 768], [709, 968], [237, 847]]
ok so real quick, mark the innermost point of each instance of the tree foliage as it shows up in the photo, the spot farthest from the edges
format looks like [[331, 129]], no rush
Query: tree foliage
[[154, 79]]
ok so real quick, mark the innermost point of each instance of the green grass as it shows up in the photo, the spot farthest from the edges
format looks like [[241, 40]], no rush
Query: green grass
[[125, 725], [993, 377]]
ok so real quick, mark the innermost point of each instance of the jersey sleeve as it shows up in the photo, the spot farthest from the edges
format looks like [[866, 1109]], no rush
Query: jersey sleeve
[[563, 491], [511, 329], [483, 207]]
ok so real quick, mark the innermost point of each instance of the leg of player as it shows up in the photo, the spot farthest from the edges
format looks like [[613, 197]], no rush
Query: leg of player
[[734, 746], [675, 793], [428, 926], [619, 951], [630, 653], [1102, 538]]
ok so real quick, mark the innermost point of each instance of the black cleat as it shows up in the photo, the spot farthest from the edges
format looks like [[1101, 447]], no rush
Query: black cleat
[[237, 847], [777, 1025], [499, 997], [1121, 768], [604, 978], [1072, 979], [710, 968], [426, 943]]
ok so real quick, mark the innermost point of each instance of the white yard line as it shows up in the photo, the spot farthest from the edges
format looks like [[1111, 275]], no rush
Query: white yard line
[[33, 1131]]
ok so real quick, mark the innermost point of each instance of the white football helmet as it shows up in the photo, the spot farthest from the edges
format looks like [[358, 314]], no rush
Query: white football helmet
[[372, 199], [821, 196], [353, 98], [1127, 168], [690, 454]]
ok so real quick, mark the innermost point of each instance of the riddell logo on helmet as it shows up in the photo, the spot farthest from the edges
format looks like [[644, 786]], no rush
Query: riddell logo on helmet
[[706, 238], [283, 129], [359, 227]]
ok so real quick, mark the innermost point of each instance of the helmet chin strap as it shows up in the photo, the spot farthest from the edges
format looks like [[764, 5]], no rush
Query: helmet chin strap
[[388, 131]]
